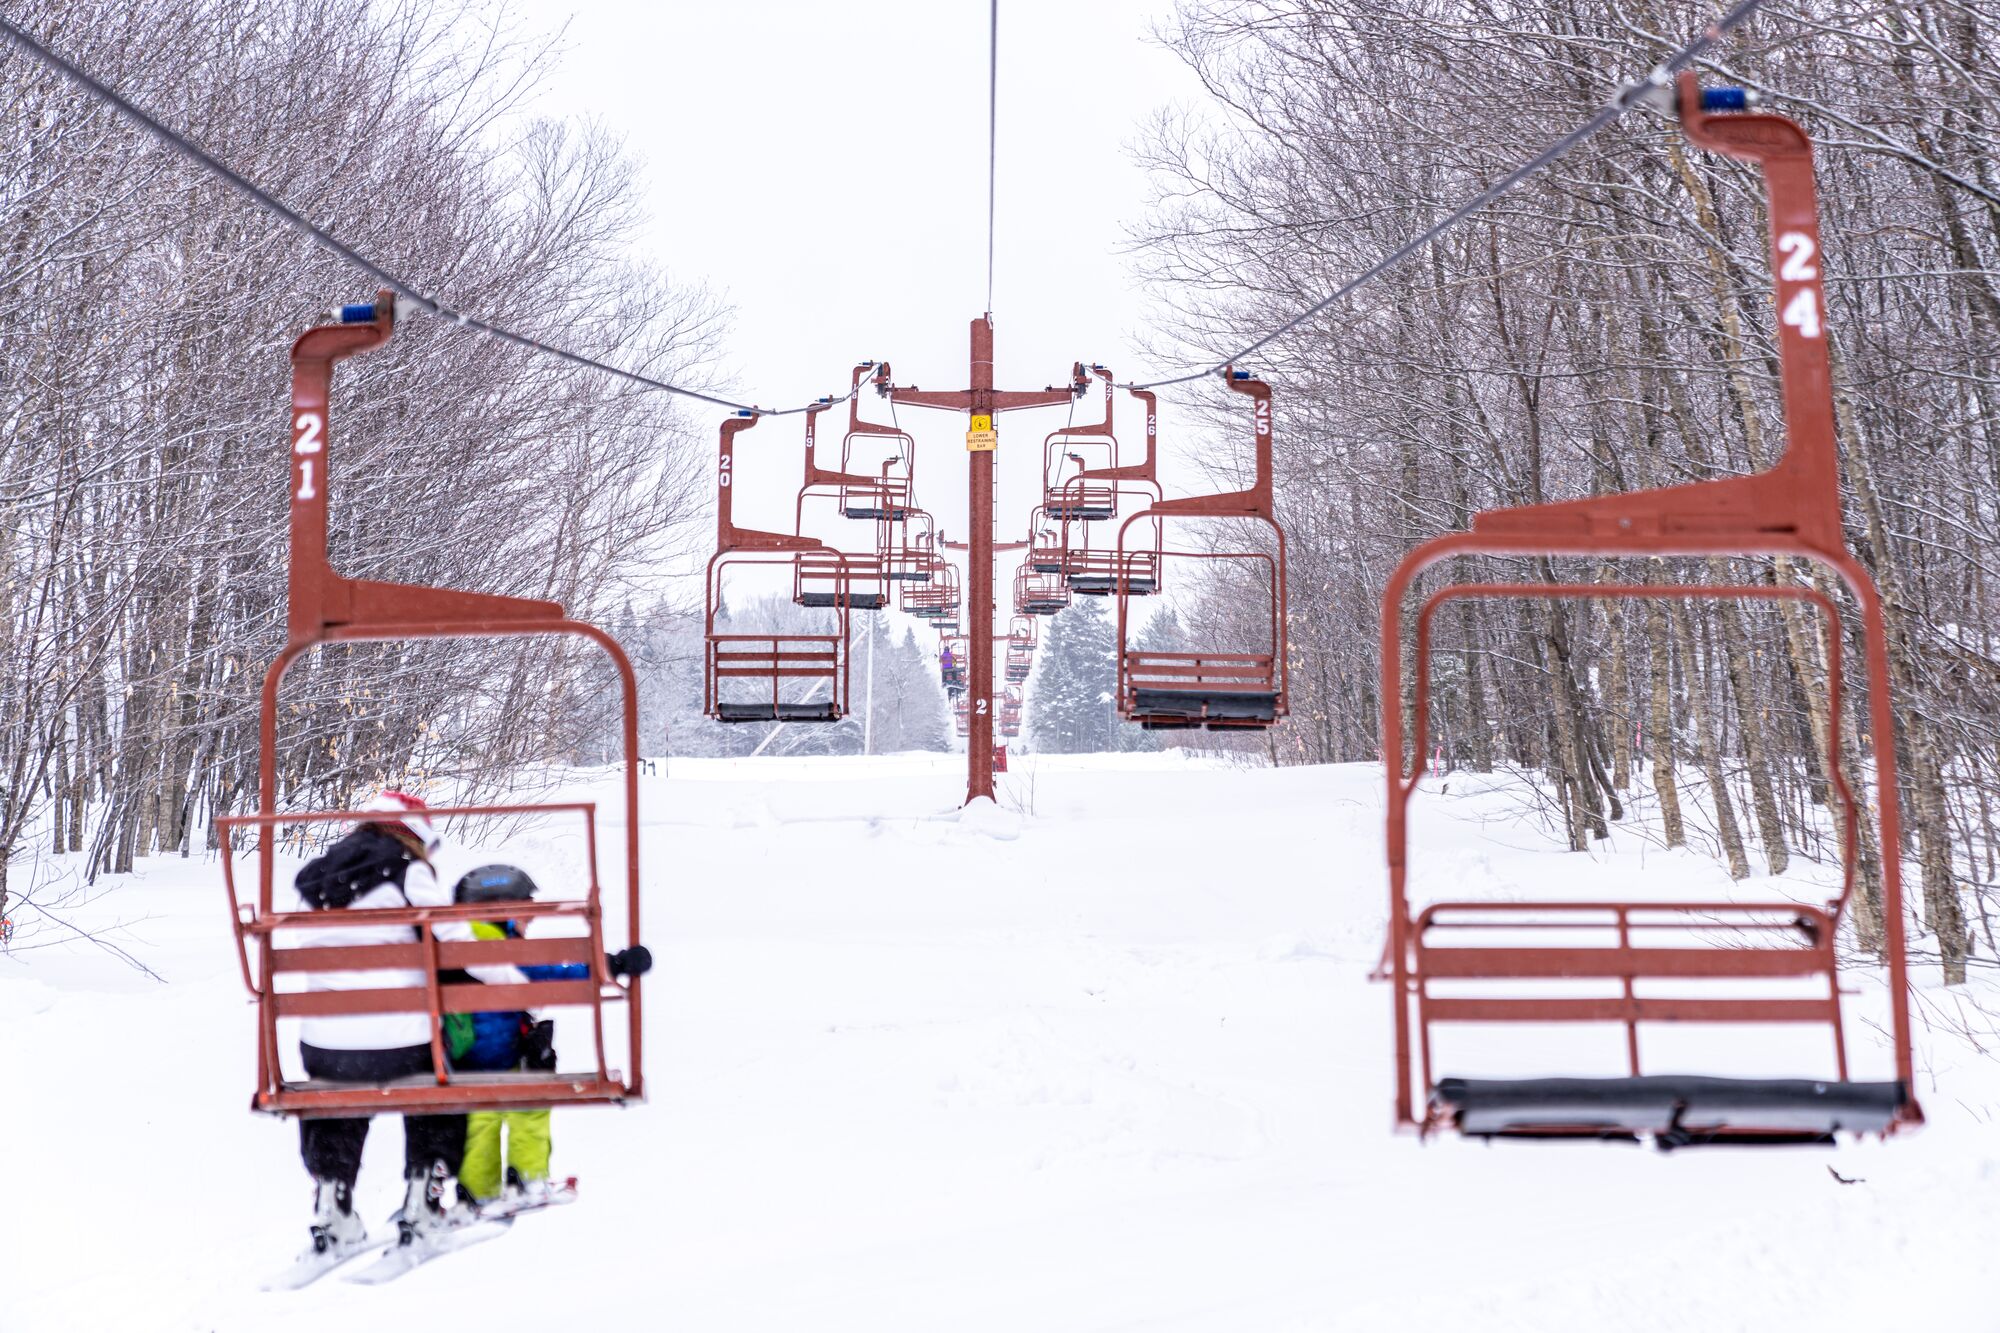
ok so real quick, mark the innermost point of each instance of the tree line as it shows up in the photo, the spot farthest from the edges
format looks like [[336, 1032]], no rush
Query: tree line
[[1609, 328], [144, 406]]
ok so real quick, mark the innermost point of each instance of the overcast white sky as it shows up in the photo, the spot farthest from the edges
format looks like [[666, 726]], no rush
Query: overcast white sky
[[823, 166]]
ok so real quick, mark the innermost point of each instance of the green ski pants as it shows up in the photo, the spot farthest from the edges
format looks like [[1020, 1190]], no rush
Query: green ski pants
[[483, 1172]]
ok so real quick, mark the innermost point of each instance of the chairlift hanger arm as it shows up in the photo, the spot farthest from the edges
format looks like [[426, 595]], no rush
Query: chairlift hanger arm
[[878, 371], [1257, 501], [815, 475], [728, 536]]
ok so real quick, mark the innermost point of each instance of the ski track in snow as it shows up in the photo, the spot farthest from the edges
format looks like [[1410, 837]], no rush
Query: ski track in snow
[[1104, 1058]]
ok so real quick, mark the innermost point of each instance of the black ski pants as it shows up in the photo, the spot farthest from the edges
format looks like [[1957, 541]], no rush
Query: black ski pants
[[332, 1147]]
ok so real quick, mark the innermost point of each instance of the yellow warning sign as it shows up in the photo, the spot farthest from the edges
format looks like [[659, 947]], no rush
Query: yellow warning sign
[[982, 438]]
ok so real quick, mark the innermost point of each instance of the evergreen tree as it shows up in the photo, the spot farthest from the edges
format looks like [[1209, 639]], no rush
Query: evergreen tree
[[1072, 702]]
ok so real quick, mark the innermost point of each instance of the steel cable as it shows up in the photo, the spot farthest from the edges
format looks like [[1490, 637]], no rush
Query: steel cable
[[1628, 96], [277, 208], [992, 138]]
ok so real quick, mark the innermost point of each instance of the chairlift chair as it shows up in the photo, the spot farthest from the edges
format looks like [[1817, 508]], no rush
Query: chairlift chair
[[908, 547], [828, 577], [1101, 571], [883, 490], [326, 607], [769, 662], [957, 674], [935, 600], [1214, 689], [1038, 594], [1074, 455], [1020, 664], [840, 579], [1630, 964], [1045, 543]]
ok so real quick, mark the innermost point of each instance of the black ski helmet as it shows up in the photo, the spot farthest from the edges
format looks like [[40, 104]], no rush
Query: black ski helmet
[[493, 884]]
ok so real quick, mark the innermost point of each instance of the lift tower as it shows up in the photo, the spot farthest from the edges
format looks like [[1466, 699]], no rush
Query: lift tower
[[982, 403]]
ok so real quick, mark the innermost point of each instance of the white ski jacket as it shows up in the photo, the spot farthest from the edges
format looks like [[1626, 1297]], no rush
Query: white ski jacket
[[384, 1032]]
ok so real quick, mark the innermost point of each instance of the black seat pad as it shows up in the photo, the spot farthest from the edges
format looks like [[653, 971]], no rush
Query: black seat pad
[[726, 711], [1200, 703], [1687, 1108]]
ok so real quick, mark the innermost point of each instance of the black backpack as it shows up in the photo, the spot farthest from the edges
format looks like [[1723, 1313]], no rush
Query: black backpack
[[364, 859]]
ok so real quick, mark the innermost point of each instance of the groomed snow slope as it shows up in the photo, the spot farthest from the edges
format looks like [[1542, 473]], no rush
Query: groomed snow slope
[[1112, 1063]]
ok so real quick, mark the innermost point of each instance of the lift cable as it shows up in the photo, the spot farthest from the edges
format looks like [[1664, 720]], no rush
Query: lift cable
[[268, 202], [992, 138], [1650, 89]]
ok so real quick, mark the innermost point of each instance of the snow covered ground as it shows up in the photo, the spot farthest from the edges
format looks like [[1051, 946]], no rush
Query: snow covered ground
[[1109, 1063]]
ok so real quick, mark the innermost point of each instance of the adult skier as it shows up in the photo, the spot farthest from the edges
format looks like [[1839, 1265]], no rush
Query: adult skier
[[381, 862]]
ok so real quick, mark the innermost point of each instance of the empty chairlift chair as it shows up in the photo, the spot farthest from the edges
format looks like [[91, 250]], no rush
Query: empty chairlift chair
[[1068, 457], [882, 491], [1010, 713], [1631, 965], [279, 945], [746, 676], [1217, 689], [935, 599], [1021, 639], [907, 547], [1038, 594], [828, 577], [1094, 566], [839, 579]]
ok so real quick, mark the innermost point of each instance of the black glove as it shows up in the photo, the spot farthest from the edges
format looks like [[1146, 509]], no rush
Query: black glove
[[636, 961], [538, 1045]]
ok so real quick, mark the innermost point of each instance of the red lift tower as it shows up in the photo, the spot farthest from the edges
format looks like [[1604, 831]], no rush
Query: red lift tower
[[982, 403]]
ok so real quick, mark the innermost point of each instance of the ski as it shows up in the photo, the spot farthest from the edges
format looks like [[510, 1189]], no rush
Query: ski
[[486, 1222], [310, 1268], [513, 1204], [405, 1258]]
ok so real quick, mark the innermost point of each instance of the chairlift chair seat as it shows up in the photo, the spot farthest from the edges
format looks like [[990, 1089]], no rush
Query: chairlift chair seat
[[761, 710], [1673, 1110]]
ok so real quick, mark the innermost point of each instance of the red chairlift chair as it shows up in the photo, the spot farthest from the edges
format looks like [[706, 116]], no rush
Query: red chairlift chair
[[937, 599], [1010, 713], [770, 661], [1733, 951], [840, 578], [1038, 594], [1219, 690], [884, 490], [1021, 639], [907, 547], [1075, 454], [954, 676], [326, 607], [961, 714], [1099, 571], [829, 577], [1045, 543]]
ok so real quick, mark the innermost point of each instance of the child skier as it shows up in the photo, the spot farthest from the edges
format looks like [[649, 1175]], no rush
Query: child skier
[[498, 1041], [381, 862]]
